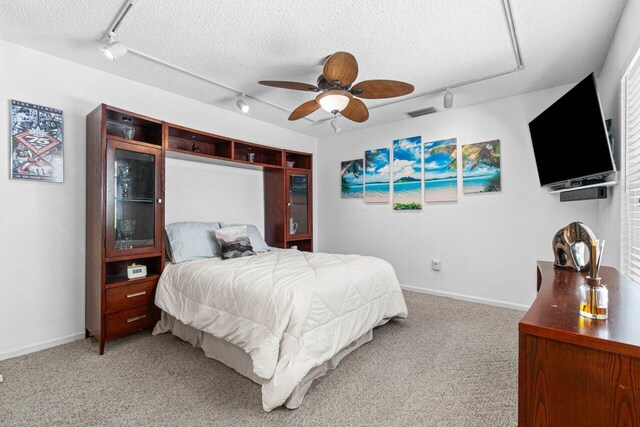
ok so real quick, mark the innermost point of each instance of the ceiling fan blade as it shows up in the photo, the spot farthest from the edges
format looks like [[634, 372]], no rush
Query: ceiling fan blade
[[356, 111], [304, 110], [342, 67], [290, 85], [376, 89]]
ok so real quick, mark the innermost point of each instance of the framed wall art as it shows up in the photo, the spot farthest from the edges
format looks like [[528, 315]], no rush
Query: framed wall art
[[37, 146]]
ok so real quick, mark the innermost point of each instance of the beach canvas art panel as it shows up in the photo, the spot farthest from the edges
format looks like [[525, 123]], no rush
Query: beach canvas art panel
[[407, 173], [441, 171], [376, 176], [481, 167], [352, 177]]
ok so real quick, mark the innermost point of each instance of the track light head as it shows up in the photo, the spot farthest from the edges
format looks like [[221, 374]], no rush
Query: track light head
[[114, 49], [242, 105], [448, 99], [334, 124]]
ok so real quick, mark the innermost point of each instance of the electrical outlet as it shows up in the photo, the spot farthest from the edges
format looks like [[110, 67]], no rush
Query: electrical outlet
[[436, 265], [1, 378]]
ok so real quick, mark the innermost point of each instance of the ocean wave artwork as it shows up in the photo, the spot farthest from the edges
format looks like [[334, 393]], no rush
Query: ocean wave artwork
[[407, 173], [481, 167], [352, 179], [441, 171], [376, 176]]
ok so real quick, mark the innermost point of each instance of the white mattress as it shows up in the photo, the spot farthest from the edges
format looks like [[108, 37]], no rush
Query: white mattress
[[290, 311]]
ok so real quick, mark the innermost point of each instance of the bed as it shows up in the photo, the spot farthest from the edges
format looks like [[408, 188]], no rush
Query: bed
[[281, 318]]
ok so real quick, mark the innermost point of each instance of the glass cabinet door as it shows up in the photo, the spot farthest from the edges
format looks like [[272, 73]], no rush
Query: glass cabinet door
[[132, 194], [299, 193]]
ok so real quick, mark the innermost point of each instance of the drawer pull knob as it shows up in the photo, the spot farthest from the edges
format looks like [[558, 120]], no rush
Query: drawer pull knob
[[137, 294], [133, 319]]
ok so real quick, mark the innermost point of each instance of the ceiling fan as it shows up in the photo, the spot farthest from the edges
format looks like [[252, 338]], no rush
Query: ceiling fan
[[336, 93]]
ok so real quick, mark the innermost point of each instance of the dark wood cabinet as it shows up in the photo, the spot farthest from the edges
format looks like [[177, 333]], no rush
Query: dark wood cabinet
[[575, 371], [289, 204], [133, 199], [125, 207], [298, 213], [125, 221]]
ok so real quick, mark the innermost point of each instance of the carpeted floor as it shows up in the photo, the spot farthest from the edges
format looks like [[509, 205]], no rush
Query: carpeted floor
[[451, 363]]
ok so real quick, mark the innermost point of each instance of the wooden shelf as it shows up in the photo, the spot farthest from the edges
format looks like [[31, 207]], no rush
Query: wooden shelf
[[193, 143], [261, 165], [264, 156], [198, 143], [305, 244], [298, 160], [295, 238], [146, 130], [133, 141], [203, 158], [132, 257]]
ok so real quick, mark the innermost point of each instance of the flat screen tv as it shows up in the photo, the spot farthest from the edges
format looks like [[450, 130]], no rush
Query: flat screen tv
[[570, 138]]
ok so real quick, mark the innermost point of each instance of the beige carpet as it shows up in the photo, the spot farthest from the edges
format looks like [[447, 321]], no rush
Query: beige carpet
[[451, 363]]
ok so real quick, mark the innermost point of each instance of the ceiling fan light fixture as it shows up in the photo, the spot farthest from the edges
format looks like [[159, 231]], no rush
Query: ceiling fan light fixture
[[334, 100], [242, 105], [448, 99], [114, 49]]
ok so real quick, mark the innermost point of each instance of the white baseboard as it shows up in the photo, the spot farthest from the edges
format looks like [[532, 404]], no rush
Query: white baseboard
[[488, 301], [80, 335], [42, 346]]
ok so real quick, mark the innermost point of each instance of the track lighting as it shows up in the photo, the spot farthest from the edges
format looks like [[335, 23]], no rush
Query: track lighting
[[114, 49], [334, 124], [448, 99], [242, 105]]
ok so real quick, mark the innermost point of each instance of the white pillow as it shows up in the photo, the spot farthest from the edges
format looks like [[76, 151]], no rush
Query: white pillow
[[192, 240]]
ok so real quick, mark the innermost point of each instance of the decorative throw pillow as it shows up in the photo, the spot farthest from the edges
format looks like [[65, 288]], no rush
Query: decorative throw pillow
[[257, 242], [234, 242]]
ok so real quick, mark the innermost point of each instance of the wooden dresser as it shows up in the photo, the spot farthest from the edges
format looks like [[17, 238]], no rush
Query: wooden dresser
[[575, 371]]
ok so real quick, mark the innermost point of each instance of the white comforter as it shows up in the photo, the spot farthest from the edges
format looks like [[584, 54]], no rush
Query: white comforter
[[289, 310]]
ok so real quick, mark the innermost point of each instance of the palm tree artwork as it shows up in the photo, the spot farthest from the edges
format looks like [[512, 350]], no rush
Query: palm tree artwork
[[481, 167], [352, 178], [441, 171]]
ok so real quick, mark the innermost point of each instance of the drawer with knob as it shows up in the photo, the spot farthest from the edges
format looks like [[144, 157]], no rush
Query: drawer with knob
[[129, 296], [129, 321]]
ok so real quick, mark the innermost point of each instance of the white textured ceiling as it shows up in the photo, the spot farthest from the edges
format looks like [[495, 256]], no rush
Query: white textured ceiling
[[428, 43]]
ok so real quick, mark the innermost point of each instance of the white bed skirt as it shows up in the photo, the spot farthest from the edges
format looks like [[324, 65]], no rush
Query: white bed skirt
[[236, 358]]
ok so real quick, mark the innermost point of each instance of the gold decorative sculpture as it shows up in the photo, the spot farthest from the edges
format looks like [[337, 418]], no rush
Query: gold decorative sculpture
[[571, 246]]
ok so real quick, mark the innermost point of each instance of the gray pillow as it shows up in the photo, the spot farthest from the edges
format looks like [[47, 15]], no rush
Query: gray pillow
[[257, 241], [234, 242], [192, 240]]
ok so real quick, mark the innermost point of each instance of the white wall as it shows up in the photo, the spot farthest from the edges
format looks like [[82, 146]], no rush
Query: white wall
[[488, 243], [623, 49], [42, 225]]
